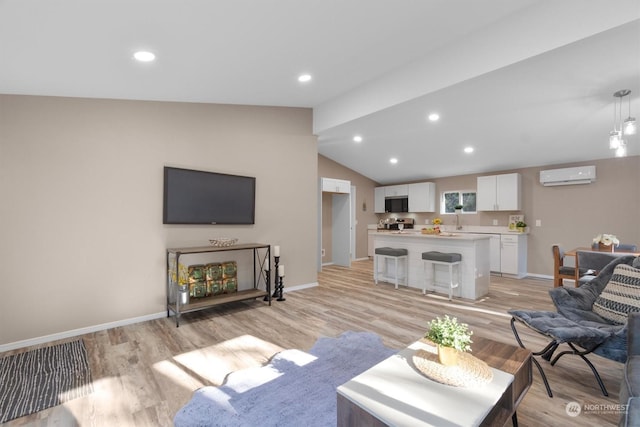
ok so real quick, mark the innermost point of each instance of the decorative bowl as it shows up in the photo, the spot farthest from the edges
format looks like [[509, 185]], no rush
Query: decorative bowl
[[223, 242]]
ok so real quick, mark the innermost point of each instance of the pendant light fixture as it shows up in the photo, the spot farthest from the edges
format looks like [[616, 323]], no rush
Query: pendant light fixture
[[621, 128], [629, 125]]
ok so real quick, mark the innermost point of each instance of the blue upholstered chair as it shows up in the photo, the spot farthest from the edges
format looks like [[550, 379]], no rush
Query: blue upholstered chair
[[587, 320], [622, 247], [590, 263]]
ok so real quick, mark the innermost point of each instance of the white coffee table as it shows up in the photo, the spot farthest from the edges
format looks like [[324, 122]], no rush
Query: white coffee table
[[394, 393]]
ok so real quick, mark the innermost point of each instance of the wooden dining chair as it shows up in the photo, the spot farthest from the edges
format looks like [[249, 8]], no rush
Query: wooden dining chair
[[560, 271]]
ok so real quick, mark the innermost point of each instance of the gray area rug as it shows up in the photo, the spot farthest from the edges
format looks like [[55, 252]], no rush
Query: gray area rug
[[42, 378], [294, 389]]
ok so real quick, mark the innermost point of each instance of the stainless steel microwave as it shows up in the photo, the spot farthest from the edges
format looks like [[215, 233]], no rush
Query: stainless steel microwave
[[396, 204]]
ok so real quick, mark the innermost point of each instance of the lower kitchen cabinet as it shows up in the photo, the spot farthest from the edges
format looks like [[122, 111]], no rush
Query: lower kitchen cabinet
[[495, 252], [513, 255], [508, 253]]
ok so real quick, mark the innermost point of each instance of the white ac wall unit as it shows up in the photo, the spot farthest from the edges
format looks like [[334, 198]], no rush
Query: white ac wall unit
[[568, 176]]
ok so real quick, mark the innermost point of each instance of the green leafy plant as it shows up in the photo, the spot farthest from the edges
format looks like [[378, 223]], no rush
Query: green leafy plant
[[458, 207], [521, 224], [448, 332]]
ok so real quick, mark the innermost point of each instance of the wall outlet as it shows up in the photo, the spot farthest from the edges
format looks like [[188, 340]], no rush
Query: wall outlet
[[538, 223], [495, 222], [323, 252], [426, 221]]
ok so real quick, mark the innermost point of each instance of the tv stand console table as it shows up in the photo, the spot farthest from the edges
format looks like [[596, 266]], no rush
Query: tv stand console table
[[261, 253]]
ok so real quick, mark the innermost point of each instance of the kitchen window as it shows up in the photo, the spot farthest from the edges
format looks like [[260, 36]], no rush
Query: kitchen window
[[451, 199]]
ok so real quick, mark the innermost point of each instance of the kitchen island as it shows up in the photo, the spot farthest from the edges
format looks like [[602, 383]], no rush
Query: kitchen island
[[474, 248]]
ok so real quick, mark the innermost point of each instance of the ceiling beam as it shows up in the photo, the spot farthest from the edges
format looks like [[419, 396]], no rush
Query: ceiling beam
[[540, 28]]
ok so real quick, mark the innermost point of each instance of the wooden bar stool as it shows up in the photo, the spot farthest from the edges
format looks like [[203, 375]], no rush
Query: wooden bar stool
[[385, 254], [434, 258]]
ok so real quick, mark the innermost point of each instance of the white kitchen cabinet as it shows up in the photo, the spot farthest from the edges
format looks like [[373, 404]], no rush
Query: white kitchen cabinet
[[332, 185], [396, 190], [494, 253], [513, 255], [422, 197], [499, 192], [378, 200]]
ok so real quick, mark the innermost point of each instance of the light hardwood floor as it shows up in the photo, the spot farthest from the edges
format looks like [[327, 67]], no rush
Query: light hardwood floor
[[143, 373]]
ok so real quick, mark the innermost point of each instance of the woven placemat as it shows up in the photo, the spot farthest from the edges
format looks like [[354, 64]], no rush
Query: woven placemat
[[469, 372]]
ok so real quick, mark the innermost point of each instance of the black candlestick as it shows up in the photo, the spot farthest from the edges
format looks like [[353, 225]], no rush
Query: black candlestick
[[279, 288], [276, 261], [267, 280]]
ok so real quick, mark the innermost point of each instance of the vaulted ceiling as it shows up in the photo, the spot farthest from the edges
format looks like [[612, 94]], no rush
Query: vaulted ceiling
[[523, 82]]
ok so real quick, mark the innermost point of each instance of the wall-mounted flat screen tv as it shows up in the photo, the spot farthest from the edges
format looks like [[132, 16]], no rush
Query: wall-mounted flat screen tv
[[199, 197]]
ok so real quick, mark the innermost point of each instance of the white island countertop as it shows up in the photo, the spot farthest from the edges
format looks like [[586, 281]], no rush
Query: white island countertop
[[474, 249], [441, 236]]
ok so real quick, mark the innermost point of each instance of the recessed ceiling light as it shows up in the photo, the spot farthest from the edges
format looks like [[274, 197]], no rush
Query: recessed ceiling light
[[434, 117], [468, 150], [144, 56], [304, 78], [393, 160], [357, 138]]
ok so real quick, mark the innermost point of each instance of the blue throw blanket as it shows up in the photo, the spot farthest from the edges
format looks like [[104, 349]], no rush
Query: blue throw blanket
[[294, 389]]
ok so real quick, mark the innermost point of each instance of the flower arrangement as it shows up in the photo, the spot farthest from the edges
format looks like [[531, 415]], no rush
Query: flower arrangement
[[606, 239], [437, 221], [448, 332]]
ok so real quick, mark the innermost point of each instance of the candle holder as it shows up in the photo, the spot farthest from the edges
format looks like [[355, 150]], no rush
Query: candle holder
[[276, 261], [267, 280], [279, 287]]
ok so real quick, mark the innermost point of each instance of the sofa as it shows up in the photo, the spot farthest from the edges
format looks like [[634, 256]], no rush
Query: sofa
[[630, 387]]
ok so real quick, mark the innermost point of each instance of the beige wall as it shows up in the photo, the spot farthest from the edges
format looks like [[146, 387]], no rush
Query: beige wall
[[81, 201], [364, 205], [570, 215]]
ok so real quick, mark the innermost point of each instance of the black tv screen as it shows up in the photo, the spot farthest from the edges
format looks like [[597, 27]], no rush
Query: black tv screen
[[199, 197]]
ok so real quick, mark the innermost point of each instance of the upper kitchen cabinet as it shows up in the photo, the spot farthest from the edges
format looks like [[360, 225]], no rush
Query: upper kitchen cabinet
[[396, 190], [499, 192], [422, 197], [379, 194], [332, 185]]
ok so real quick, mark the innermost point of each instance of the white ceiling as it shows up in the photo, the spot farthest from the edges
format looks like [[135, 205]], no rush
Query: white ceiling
[[526, 82]]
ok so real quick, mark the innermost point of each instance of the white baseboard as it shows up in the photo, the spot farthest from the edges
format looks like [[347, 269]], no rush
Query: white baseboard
[[80, 331], [540, 276], [299, 287], [357, 259], [103, 326]]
